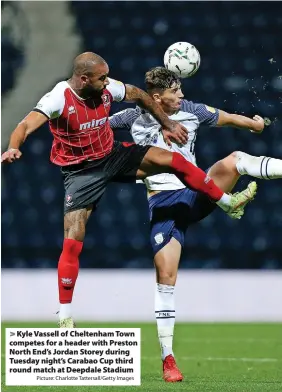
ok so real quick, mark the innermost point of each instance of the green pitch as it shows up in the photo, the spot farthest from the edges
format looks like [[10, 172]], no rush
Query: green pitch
[[212, 357]]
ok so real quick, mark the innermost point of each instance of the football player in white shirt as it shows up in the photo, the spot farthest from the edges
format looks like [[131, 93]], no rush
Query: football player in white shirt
[[173, 207]]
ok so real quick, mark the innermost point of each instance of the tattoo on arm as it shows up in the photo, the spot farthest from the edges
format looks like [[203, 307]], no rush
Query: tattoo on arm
[[134, 93], [143, 100]]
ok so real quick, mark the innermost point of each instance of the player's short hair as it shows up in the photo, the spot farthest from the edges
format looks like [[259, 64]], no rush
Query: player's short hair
[[84, 62], [161, 78]]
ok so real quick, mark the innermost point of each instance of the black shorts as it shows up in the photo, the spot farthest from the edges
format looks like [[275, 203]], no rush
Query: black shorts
[[85, 183]]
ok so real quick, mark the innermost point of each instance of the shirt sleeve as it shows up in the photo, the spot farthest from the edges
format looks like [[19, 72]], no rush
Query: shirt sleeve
[[116, 89], [125, 118], [52, 103], [206, 115]]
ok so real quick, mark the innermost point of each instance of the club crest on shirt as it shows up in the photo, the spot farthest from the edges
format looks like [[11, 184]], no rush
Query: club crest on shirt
[[106, 99]]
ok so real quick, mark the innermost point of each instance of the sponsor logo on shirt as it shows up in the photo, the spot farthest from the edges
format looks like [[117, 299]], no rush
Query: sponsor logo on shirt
[[92, 124], [149, 140], [71, 109]]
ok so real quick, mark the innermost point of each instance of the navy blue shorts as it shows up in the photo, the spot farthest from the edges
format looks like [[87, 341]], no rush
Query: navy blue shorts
[[171, 212]]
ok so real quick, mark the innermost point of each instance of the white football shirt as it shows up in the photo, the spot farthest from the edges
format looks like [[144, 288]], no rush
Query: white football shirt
[[145, 130]]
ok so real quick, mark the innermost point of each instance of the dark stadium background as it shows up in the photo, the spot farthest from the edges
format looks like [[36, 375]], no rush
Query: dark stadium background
[[241, 72]]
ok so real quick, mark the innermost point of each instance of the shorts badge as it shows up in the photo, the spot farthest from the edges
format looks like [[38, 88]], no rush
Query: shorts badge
[[159, 238]]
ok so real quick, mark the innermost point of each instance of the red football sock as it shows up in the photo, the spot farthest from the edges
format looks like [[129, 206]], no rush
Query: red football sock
[[194, 178], [68, 269]]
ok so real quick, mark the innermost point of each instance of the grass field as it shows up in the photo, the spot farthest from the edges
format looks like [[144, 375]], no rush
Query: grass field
[[212, 357]]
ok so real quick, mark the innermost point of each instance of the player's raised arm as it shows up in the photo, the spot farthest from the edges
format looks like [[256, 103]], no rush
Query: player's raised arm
[[29, 124], [213, 117], [171, 129], [255, 124]]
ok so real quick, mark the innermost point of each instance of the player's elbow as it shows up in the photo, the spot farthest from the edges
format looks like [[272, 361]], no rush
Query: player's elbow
[[25, 129]]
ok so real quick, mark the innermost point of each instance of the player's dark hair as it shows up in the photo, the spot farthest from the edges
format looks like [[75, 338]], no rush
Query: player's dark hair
[[160, 78]]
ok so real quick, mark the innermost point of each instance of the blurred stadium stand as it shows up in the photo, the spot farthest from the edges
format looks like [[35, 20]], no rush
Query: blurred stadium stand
[[13, 36], [241, 71]]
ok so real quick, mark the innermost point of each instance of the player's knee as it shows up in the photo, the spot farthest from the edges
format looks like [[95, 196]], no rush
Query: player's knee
[[74, 225], [234, 155], [168, 162], [233, 159], [166, 277], [159, 158], [228, 164], [75, 232]]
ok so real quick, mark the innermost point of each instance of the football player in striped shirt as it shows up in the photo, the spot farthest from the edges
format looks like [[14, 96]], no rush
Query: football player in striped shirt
[[77, 111], [173, 207]]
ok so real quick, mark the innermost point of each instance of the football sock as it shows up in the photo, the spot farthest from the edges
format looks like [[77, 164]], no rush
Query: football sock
[[266, 168], [65, 311], [197, 179], [165, 316], [67, 273]]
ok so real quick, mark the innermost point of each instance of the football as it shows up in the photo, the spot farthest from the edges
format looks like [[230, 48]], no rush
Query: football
[[183, 59]]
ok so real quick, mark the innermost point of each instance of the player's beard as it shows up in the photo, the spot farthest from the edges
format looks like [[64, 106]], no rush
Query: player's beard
[[90, 92]]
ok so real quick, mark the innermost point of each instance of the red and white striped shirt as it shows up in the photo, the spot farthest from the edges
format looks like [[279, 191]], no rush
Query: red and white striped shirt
[[80, 127]]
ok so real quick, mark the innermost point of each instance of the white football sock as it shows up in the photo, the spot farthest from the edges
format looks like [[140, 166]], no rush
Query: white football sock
[[266, 168], [65, 311], [224, 202], [165, 316]]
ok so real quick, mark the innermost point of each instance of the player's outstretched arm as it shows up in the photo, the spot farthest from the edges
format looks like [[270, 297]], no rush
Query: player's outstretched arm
[[171, 129], [255, 124], [29, 124]]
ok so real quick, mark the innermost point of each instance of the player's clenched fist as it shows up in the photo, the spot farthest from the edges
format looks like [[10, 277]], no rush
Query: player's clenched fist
[[11, 155], [258, 124]]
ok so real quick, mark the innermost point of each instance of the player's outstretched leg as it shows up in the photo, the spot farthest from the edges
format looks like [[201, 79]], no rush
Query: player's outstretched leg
[[266, 168], [68, 267], [161, 161], [166, 262]]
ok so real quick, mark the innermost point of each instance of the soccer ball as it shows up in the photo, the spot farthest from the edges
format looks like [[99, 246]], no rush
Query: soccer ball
[[183, 59]]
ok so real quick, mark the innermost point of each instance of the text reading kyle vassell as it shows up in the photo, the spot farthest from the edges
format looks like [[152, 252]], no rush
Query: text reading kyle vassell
[[91, 356]]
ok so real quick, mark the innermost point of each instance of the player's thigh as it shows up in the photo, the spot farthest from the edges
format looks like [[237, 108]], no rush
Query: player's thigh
[[84, 188], [156, 160], [224, 173], [167, 211], [75, 223], [166, 262], [84, 185], [124, 161]]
